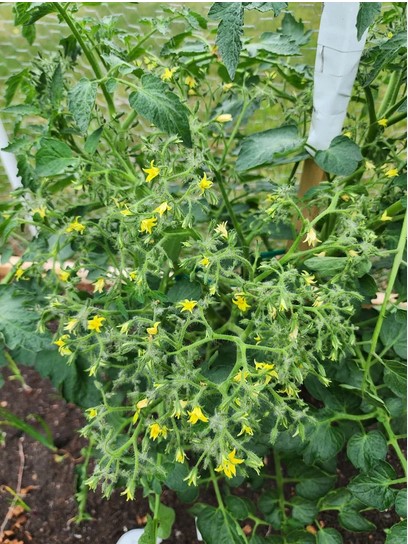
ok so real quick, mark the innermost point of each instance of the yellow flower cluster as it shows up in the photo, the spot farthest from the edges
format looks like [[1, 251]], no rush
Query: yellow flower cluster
[[228, 464]]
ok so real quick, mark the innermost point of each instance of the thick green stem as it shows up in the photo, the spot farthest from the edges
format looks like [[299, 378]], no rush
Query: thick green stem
[[391, 92], [279, 483], [394, 443], [388, 291], [89, 55]]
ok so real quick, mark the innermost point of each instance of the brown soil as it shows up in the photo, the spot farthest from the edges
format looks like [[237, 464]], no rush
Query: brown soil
[[49, 479]]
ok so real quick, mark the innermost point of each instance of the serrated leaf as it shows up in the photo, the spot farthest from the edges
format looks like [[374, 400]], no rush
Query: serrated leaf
[[329, 536], [237, 506], [229, 32], [13, 83], [38, 12], [366, 16], [341, 158], [276, 7], [385, 54], [401, 503], [275, 43], [324, 442], [314, 482], [398, 533], [373, 488], [161, 107], [354, 521], [264, 147], [148, 536], [394, 333], [22, 109], [57, 86], [364, 450], [29, 33], [176, 481], [326, 266], [295, 29], [218, 528], [81, 101], [303, 510], [184, 289], [53, 157], [19, 321]]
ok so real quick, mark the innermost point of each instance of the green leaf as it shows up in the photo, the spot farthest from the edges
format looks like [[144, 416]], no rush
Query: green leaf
[[92, 141], [334, 499], [161, 107], [329, 536], [324, 442], [303, 510], [38, 12], [184, 289], [175, 481], [174, 238], [229, 32], [364, 450], [394, 333], [29, 33], [22, 109], [218, 528], [373, 488], [326, 266], [166, 516], [366, 16], [81, 101], [19, 321], [314, 482], [53, 157], [263, 147], [397, 534], [295, 30], [237, 506], [401, 503], [148, 536], [13, 83], [57, 86], [341, 158], [275, 43], [276, 7], [8, 418], [354, 521], [385, 54]]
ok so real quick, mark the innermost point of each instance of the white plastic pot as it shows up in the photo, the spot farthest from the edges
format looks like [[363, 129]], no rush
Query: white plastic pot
[[133, 537]]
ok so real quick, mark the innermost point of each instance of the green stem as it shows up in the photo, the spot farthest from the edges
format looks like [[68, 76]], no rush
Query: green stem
[[388, 291], [89, 55], [279, 483], [391, 92], [231, 212], [15, 370], [394, 443]]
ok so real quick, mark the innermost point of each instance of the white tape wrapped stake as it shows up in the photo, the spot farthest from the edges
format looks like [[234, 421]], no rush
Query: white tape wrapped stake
[[337, 58]]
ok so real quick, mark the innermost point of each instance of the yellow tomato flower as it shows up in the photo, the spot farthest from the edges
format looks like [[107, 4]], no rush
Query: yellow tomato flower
[[96, 323], [168, 74], [125, 211], [246, 429], [228, 464], [221, 229], [386, 217], [18, 273], [369, 165], [99, 285], [142, 404], [163, 208], [63, 275], [147, 225], [92, 412], [42, 211], [76, 226], [318, 302], [151, 172], [195, 415], [156, 431], [227, 86], [129, 493], [347, 134], [204, 184], [190, 82], [241, 375], [205, 261], [268, 369], [309, 278], [72, 323], [187, 305], [179, 408], [383, 122], [241, 303], [223, 118], [391, 173], [62, 347], [180, 455], [153, 330], [191, 478], [311, 237], [124, 328]]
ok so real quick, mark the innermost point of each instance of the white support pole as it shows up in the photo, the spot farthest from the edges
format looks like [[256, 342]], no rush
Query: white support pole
[[337, 59], [8, 160]]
